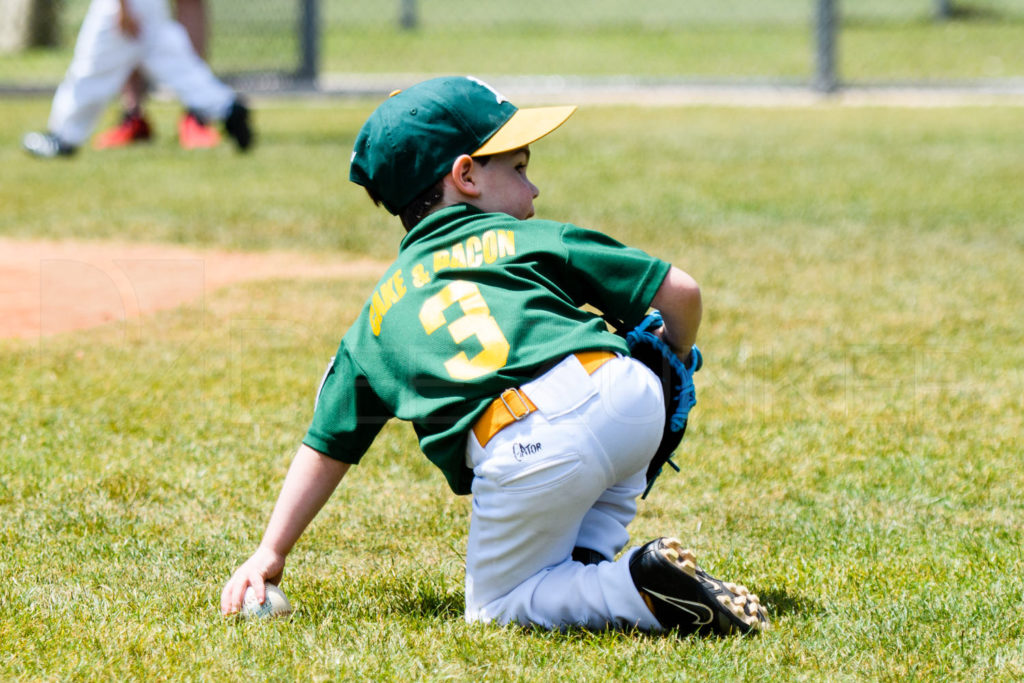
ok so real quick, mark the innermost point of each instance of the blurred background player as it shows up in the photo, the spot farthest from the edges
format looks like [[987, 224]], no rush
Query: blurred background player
[[193, 131], [118, 36]]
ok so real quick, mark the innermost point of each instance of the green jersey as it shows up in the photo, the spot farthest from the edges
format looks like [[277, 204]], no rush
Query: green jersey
[[474, 304]]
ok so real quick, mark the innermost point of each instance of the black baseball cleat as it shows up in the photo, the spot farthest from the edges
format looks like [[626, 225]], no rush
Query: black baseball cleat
[[236, 125], [587, 556], [683, 596], [46, 146]]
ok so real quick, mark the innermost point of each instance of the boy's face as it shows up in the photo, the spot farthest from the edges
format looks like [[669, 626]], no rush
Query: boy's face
[[504, 186]]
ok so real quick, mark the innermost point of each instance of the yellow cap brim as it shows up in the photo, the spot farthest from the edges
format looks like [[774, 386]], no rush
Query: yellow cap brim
[[525, 127]]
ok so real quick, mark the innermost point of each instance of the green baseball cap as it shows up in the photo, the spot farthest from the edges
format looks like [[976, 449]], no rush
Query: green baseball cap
[[410, 140]]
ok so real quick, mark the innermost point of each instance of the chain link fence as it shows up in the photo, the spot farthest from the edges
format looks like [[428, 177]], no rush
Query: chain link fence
[[348, 44]]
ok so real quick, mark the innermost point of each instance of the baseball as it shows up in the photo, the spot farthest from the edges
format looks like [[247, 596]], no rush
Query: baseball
[[275, 605]]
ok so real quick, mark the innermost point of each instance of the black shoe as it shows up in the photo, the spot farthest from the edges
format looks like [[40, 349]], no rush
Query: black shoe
[[587, 556], [236, 125], [46, 146], [682, 595]]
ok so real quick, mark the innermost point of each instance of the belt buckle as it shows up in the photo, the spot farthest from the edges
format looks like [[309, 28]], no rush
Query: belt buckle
[[522, 402]]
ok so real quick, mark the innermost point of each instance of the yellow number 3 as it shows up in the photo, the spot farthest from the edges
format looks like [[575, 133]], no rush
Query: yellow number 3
[[476, 320]]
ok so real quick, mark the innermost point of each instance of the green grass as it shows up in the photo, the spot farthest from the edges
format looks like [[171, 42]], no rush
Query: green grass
[[879, 41], [868, 51], [855, 456]]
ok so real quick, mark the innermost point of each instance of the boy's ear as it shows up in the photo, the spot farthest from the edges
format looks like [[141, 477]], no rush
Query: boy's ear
[[462, 176]]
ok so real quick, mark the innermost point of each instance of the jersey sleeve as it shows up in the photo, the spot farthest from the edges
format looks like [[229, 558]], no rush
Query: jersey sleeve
[[620, 281], [348, 414]]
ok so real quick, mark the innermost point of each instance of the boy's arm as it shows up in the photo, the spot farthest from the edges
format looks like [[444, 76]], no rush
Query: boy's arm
[[678, 299], [310, 481]]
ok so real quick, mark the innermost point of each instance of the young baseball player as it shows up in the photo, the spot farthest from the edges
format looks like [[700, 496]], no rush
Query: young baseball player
[[477, 336], [116, 37]]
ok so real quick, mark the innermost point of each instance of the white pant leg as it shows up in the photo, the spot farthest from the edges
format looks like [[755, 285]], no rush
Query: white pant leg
[[604, 525], [103, 59], [535, 483], [169, 58]]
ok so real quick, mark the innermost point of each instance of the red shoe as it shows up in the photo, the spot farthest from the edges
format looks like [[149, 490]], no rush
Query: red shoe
[[133, 128], [193, 133]]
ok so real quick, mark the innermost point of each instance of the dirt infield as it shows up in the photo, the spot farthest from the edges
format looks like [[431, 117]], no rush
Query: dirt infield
[[48, 287]]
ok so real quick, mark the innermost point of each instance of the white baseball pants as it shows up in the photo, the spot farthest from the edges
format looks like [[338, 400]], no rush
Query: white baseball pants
[[566, 475], [105, 57]]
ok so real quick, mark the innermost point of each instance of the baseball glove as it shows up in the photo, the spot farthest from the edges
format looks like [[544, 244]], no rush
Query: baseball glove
[[676, 381]]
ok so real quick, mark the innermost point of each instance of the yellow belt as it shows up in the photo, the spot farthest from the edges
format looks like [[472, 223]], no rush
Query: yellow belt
[[513, 405]]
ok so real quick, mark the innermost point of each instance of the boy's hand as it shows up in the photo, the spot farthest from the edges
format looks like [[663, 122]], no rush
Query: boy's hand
[[265, 566], [311, 479]]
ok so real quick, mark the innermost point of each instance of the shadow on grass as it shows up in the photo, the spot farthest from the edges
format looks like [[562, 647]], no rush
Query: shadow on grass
[[432, 604], [965, 15], [430, 597], [781, 603], [981, 14]]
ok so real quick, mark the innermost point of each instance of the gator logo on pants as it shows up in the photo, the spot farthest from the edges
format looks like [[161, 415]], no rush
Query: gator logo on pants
[[521, 451]]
